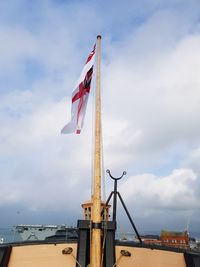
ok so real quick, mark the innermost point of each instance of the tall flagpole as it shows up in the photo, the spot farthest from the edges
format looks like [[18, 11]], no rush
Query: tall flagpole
[[95, 258]]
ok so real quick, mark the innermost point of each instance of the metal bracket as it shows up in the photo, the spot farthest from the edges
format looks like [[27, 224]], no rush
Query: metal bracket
[[115, 178]]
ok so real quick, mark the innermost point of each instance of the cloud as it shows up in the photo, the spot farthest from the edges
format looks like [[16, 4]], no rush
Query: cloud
[[161, 101], [157, 202], [175, 191], [39, 156]]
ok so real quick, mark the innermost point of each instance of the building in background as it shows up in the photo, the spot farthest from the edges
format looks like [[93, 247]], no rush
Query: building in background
[[175, 239]]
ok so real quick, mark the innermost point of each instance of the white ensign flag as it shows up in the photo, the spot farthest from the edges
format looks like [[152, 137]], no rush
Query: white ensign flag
[[80, 97]]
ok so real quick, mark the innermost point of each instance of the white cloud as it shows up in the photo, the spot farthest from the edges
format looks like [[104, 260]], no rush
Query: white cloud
[[160, 101], [175, 191]]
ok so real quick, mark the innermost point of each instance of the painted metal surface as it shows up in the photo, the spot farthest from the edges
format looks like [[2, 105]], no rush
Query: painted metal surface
[[44, 255], [51, 255]]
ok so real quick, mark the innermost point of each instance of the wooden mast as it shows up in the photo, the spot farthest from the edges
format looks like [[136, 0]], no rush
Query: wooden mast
[[95, 258]]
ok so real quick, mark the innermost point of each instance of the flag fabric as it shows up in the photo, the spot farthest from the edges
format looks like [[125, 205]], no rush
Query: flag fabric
[[80, 97]]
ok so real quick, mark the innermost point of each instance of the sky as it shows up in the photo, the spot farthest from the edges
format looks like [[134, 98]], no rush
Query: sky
[[150, 84]]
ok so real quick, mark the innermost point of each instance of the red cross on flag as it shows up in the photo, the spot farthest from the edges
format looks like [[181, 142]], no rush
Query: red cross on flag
[[80, 97]]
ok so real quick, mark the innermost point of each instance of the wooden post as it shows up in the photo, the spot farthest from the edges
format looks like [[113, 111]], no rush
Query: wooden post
[[95, 258]]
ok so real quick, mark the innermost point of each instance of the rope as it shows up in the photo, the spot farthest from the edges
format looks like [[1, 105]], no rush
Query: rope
[[117, 261], [92, 146], [68, 251], [103, 166], [104, 239], [90, 235], [76, 260]]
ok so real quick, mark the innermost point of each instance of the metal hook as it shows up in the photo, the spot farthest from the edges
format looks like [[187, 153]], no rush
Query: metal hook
[[108, 171]]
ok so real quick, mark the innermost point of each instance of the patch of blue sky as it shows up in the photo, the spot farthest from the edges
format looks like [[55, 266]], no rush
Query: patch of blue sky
[[165, 169], [33, 71], [29, 72], [161, 168], [6, 161], [22, 14], [127, 18], [6, 83], [10, 113], [117, 21]]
